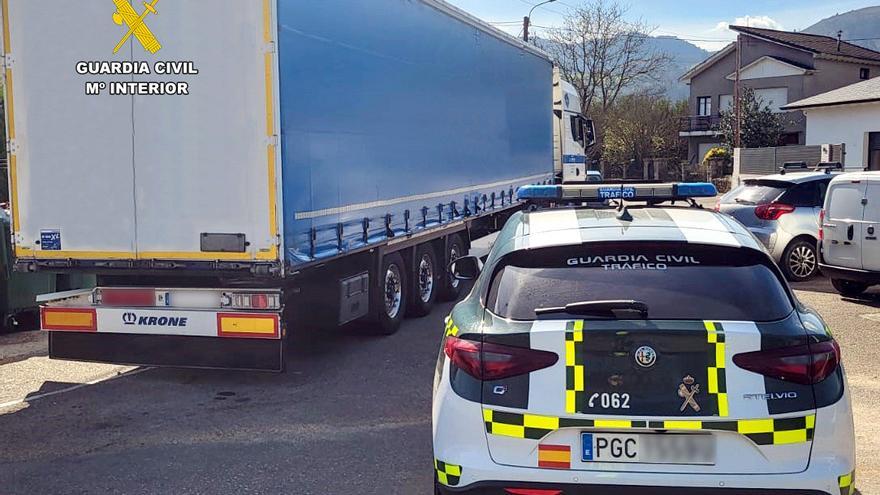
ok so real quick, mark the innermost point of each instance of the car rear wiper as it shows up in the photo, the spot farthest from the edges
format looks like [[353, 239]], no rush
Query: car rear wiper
[[744, 201], [597, 308]]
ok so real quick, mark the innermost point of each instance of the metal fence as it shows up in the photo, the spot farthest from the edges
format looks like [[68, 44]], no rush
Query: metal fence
[[752, 162]]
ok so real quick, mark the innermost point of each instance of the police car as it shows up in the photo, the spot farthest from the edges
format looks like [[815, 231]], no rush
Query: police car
[[636, 350]]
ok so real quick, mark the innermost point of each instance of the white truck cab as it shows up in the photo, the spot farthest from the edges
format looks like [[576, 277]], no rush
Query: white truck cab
[[572, 133], [849, 249]]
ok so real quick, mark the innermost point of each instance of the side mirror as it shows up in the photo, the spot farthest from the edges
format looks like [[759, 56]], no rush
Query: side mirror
[[589, 133], [466, 268]]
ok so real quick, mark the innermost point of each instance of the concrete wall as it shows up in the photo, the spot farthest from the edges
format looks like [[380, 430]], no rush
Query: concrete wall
[[848, 124]]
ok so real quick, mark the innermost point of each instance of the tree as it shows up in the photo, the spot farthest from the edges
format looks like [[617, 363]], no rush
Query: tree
[[760, 127], [641, 126], [603, 54]]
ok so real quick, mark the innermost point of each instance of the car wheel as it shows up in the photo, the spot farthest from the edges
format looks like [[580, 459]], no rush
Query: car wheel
[[392, 294], [848, 288], [451, 287], [799, 262], [425, 281]]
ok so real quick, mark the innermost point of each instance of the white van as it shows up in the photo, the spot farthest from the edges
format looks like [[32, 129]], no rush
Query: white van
[[849, 249]]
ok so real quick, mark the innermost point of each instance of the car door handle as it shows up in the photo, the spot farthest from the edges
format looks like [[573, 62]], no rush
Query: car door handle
[[850, 232], [829, 226]]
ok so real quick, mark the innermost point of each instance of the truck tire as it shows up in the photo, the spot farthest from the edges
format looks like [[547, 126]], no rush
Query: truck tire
[[390, 303], [451, 288], [800, 260], [425, 280], [848, 288]]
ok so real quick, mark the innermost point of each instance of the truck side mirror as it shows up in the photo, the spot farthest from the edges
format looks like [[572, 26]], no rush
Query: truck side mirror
[[466, 267], [589, 133]]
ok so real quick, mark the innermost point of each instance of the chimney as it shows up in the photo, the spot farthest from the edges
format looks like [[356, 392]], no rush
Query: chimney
[[839, 34]]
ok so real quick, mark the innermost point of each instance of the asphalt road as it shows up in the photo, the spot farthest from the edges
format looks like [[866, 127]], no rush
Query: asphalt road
[[350, 415]]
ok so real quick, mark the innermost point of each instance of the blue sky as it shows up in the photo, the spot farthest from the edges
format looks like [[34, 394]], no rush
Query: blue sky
[[703, 21]]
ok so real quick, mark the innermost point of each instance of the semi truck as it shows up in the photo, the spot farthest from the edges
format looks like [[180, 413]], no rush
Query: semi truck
[[573, 134], [233, 172]]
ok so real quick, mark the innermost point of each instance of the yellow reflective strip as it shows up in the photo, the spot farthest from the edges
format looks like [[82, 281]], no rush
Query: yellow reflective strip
[[719, 355], [569, 353], [570, 401], [254, 325], [554, 455], [578, 326], [713, 337], [453, 470], [846, 480], [713, 380], [441, 477], [71, 318], [578, 336], [579, 378], [811, 421], [710, 326], [612, 423], [723, 409], [487, 415], [793, 436], [683, 425], [543, 422], [508, 430], [755, 426]]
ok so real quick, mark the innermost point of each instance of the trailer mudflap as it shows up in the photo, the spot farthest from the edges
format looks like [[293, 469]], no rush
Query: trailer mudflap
[[179, 351]]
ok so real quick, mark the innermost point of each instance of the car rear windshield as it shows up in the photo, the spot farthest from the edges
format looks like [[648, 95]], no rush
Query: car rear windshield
[[757, 192], [676, 280]]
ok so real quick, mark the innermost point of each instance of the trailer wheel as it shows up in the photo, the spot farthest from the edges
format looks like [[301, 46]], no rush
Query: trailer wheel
[[451, 287], [392, 294], [425, 281]]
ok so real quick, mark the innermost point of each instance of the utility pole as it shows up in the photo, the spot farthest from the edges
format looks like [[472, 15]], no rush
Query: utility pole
[[527, 20], [737, 95]]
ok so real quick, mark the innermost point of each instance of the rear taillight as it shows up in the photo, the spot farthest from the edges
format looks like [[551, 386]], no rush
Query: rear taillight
[[488, 361], [772, 211], [821, 221], [803, 364], [237, 300]]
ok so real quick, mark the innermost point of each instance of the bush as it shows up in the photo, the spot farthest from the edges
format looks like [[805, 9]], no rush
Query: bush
[[717, 153]]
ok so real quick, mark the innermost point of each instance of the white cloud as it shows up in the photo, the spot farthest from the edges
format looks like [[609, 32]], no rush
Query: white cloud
[[758, 21]]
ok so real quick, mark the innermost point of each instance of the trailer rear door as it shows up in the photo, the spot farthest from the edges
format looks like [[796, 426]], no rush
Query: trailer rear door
[[143, 176]]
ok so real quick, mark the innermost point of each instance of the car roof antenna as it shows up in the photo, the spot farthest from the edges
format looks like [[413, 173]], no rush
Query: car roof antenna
[[623, 213]]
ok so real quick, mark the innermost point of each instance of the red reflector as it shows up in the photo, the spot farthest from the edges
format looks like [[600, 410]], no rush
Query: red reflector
[[803, 364], [532, 491], [488, 361], [821, 221], [772, 211], [128, 297], [259, 301]]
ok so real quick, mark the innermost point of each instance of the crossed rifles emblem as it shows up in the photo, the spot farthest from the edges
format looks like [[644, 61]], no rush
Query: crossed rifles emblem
[[125, 14], [687, 390]]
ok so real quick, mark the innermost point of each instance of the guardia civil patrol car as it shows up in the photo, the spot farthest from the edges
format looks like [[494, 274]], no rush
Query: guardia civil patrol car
[[636, 350]]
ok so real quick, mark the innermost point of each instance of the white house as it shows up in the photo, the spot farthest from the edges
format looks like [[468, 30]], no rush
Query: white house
[[848, 115]]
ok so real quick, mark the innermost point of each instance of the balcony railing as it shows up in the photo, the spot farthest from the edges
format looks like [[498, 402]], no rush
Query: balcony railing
[[699, 123]]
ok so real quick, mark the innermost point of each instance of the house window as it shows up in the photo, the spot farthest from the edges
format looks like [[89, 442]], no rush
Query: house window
[[704, 106], [864, 73]]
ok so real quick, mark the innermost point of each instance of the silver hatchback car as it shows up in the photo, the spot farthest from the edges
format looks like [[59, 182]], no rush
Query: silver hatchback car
[[782, 211]]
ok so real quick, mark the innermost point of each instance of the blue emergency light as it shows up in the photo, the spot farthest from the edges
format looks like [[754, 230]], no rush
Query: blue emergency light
[[659, 192]]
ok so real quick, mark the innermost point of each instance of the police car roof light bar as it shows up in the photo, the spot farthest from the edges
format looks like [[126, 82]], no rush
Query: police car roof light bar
[[670, 191]]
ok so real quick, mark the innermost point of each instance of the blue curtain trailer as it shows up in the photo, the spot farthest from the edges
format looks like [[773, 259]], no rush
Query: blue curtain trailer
[[220, 165]]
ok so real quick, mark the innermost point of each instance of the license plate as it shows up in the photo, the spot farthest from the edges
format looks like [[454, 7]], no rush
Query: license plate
[[658, 448], [617, 192]]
